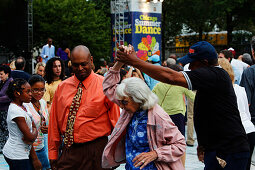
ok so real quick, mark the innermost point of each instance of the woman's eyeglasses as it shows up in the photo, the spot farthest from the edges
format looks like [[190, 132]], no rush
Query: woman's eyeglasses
[[38, 90], [124, 102]]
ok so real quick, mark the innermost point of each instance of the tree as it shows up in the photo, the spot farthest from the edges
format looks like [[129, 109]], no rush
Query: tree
[[234, 15], [13, 26], [75, 21], [195, 15], [202, 15]]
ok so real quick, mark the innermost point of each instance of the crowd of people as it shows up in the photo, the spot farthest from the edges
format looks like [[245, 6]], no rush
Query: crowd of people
[[67, 115]]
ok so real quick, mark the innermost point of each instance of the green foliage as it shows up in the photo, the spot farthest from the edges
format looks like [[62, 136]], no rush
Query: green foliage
[[202, 15], [75, 21]]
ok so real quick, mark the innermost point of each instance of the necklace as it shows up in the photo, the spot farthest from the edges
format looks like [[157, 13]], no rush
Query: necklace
[[137, 121], [40, 114], [38, 107]]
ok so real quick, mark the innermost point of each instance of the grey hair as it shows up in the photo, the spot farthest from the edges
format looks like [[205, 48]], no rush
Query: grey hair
[[170, 61], [138, 90], [247, 57]]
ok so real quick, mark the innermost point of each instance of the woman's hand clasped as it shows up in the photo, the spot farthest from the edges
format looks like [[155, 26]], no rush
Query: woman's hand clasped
[[44, 129], [145, 158]]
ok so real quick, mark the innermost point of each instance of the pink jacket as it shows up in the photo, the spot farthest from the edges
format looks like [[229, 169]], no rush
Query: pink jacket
[[163, 135]]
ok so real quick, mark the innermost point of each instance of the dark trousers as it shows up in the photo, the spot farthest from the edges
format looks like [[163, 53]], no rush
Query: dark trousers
[[235, 161], [179, 121], [85, 156], [23, 164], [251, 139]]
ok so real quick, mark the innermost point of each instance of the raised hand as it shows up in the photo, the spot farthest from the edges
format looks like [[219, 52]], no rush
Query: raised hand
[[126, 55]]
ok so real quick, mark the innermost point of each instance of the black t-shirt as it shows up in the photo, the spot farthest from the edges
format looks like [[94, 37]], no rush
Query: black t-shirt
[[216, 117]]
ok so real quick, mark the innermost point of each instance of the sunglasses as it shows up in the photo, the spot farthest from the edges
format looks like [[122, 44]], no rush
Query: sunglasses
[[124, 102]]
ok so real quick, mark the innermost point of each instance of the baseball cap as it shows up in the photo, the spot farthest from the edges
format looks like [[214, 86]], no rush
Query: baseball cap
[[155, 58], [199, 51]]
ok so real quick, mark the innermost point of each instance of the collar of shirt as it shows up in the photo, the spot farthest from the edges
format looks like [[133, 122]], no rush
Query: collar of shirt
[[85, 82], [152, 113], [49, 46], [151, 120]]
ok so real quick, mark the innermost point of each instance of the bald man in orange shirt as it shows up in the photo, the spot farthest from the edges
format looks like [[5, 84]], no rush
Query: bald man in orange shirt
[[85, 125]]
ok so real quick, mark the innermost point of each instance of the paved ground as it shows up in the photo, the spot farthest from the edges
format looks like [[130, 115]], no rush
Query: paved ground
[[192, 162]]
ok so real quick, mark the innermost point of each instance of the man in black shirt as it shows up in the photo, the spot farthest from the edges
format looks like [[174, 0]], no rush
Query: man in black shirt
[[221, 137]]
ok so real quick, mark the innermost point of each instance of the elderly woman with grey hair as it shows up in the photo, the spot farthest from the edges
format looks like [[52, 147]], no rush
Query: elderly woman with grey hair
[[144, 137]]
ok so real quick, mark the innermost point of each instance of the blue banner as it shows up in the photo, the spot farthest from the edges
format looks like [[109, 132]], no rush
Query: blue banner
[[127, 32], [146, 34], [143, 31]]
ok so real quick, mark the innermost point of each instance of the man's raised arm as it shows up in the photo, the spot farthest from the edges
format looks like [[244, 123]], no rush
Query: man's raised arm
[[128, 56]]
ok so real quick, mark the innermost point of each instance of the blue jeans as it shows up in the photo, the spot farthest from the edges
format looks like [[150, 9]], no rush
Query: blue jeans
[[20, 164], [235, 161], [46, 144], [42, 156]]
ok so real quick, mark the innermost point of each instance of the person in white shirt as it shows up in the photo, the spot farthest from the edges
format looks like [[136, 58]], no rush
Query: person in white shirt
[[243, 107], [240, 65], [48, 51], [18, 151]]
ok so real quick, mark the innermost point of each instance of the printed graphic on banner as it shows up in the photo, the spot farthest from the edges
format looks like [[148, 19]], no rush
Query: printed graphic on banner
[[146, 34], [148, 47], [142, 27], [127, 33]]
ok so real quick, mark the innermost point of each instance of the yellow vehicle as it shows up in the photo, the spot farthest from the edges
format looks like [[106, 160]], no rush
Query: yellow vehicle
[[215, 38]]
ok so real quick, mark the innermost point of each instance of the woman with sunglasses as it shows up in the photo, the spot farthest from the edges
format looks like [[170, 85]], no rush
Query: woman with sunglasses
[[38, 109], [18, 151], [145, 136]]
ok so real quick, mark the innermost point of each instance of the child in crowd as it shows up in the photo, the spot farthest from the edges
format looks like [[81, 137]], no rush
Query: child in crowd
[[18, 151]]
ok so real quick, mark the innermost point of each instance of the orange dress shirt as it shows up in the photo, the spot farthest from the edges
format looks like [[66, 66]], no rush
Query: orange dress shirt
[[96, 116]]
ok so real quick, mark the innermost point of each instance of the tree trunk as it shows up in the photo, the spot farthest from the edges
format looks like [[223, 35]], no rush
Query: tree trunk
[[229, 29], [200, 33]]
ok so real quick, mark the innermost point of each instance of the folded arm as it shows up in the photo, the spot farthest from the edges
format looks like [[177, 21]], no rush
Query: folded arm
[[5, 99], [28, 136]]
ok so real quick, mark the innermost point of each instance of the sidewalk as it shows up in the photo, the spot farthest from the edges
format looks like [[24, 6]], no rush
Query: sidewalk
[[192, 162]]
